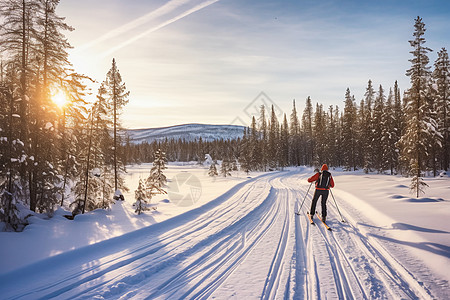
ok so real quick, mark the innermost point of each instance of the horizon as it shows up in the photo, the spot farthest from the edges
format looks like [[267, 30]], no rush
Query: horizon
[[194, 61]]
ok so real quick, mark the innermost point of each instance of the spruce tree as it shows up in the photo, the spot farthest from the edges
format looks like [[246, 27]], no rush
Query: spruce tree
[[398, 126], [213, 170], [307, 119], [117, 95], [255, 147], [264, 138], [331, 137], [441, 77], [10, 155], [225, 168], [349, 132], [361, 139], [283, 148], [389, 139], [417, 141], [378, 125], [367, 130], [319, 136], [157, 180], [141, 198], [273, 144], [245, 155], [294, 137]]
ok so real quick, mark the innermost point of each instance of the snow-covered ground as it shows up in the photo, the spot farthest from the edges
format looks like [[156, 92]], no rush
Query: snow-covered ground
[[242, 240]]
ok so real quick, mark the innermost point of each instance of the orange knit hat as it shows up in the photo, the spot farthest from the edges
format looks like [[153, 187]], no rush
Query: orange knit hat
[[324, 167]]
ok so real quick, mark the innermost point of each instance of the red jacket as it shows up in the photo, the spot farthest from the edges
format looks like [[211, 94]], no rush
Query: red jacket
[[316, 176]]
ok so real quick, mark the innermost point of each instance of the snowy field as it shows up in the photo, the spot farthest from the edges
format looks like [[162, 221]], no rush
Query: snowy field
[[241, 239]]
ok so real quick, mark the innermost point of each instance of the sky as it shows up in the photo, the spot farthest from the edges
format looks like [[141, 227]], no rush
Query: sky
[[217, 61]]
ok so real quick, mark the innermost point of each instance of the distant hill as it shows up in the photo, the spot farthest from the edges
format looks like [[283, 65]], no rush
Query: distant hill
[[189, 132]]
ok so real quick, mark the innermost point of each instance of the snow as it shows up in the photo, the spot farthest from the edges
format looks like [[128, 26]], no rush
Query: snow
[[242, 240], [188, 132]]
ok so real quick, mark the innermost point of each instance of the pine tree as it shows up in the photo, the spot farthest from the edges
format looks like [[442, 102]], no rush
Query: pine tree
[[349, 132], [10, 183], [255, 147], [307, 120], [18, 39], [117, 95], [338, 136], [283, 149], [368, 129], [141, 198], [213, 170], [244, 157], [389, 140], [398, 126], [294, 137], [441, 76], [273, 144], [319, 136], [225, 168], [264, 138], [157, 180], [361, 139], [332, 137], [417, 139], [378, 125]]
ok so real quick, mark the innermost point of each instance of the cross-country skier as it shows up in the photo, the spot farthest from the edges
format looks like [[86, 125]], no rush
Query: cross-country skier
[[324, 181]]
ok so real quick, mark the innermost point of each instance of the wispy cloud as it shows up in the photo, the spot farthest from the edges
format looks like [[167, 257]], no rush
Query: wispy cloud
[[161, 11], [164, 10]]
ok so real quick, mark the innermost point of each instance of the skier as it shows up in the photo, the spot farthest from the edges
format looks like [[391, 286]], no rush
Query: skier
[[324, 181]]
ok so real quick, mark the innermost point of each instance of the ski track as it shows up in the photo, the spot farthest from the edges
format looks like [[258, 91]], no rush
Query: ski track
[[249, 240]]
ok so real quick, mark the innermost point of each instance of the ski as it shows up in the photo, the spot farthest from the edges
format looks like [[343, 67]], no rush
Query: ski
[[310, 219], [320, 218]]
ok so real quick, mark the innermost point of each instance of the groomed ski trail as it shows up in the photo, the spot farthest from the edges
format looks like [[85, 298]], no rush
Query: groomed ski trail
[[247, 244]]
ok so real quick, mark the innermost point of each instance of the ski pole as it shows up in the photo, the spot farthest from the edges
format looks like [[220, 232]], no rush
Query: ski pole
[[304, 200], [337, 207]]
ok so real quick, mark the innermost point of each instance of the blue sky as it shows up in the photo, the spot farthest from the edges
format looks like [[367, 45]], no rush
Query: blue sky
[[200, 61]]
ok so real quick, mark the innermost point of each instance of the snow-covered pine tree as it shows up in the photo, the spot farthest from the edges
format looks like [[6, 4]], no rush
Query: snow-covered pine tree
[[319, 136], [417, 141], [367, 130], [283, 149], [213, 170], [389, 140], [294, 137], [272, 146], [156, 181], [399, 124], [349, 132], [117, 96], [225, 168], [307, 119], [331, 137], [255, 147], [360, 130], [140, 195], [244, 157], [10, 152], [338, 116], [377, 118], [263, 137], [18, 40], [441, 77]]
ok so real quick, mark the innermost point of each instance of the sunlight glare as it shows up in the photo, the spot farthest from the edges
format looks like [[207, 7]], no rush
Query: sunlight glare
[[60, 98]]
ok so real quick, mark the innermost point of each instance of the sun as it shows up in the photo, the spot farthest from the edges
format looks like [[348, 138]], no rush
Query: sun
[[60, 98]]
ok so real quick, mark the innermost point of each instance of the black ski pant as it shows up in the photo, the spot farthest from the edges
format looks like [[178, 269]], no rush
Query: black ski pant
[[324, 195]]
